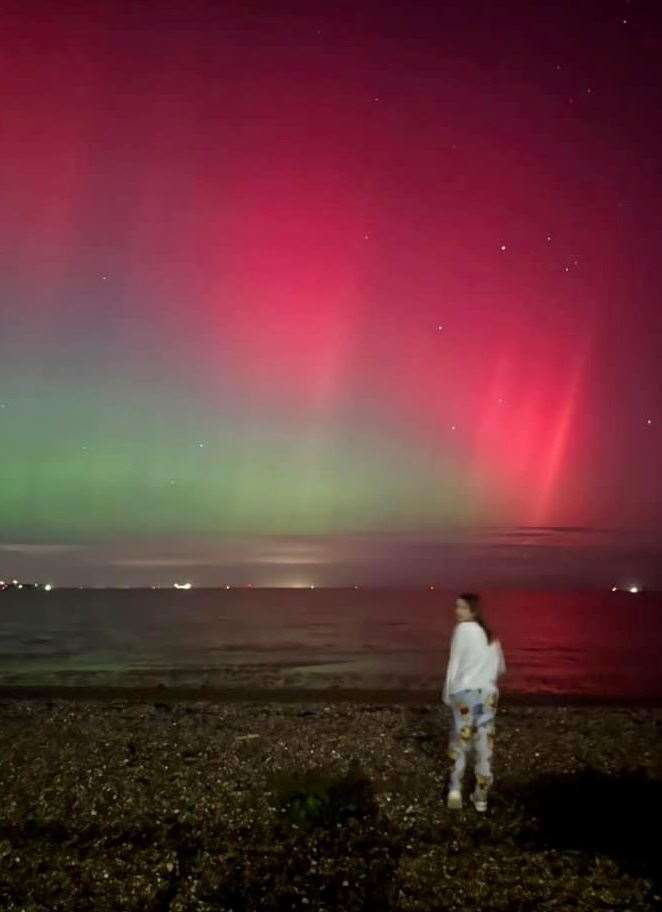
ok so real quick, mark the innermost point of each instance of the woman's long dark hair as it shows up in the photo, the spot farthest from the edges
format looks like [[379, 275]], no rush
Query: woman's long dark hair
[[473, 601]]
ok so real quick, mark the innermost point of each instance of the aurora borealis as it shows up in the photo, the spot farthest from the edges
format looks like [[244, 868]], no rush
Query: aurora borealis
[[282, 282]]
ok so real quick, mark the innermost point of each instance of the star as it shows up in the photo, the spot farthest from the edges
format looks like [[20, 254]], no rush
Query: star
[[452, 427], [549, 237], [440, 327], [649, 421], [365, 237], [502, 247], [201, 444]]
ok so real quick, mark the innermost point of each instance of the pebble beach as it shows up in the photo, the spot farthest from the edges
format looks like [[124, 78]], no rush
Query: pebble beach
[[198, 805]]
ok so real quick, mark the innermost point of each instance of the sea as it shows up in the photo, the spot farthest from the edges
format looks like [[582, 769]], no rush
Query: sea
[[561, 645]]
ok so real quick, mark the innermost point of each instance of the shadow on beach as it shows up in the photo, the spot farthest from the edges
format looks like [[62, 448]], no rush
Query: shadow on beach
[[593, 811]]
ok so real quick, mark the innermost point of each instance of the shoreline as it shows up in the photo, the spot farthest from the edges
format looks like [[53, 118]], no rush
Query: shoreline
[[164, 694]]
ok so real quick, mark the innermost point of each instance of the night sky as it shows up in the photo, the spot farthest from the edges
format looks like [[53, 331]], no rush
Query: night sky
[[331, 293]]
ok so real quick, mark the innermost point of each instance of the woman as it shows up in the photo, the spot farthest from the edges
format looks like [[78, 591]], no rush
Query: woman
[[475, 662]]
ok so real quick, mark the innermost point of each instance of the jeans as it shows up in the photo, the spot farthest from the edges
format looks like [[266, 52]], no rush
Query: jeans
[[473, 727]]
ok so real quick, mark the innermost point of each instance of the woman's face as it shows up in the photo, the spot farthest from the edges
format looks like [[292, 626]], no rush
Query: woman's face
[[463, 610]]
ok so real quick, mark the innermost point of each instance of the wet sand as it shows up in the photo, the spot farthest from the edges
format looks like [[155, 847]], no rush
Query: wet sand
[[161, 800]]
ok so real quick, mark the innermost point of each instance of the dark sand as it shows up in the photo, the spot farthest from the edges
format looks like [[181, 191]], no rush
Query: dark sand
[[157, 800]]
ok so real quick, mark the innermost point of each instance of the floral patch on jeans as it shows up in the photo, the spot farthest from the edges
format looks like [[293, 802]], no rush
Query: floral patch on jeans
[[473, 728]]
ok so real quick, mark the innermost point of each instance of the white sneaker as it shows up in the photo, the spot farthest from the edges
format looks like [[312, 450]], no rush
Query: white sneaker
[[454, 799], [479, 803]]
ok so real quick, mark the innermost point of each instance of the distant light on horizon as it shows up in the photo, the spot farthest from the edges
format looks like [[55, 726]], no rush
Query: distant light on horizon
[[182, 585], [48, 587], [634, 589]]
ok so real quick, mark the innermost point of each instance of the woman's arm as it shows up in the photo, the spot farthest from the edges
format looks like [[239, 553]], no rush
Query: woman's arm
[[453, 665], [501, 668]]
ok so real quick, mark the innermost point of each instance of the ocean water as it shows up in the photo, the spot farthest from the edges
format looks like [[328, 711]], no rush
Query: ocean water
[[596, 644]]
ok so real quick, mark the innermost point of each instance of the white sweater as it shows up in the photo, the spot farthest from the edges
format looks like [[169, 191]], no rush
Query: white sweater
[[473, 663]]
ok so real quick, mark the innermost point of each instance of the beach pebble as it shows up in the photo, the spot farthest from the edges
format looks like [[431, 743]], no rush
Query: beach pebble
[[228, 806]]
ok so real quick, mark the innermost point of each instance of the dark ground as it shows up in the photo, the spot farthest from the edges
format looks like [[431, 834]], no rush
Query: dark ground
[[147, 801]]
